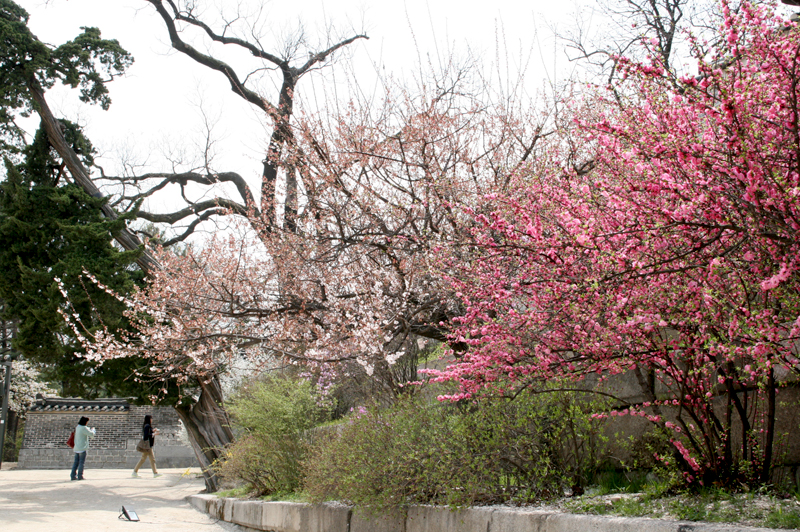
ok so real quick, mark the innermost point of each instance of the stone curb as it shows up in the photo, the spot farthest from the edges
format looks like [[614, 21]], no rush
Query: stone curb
[[300, 517]]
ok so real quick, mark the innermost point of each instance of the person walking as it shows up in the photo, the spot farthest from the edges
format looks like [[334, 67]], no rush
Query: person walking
[[82, 436], [145, 446]]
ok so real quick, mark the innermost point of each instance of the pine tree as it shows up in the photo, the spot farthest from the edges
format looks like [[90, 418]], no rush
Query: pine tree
[[51, 230]]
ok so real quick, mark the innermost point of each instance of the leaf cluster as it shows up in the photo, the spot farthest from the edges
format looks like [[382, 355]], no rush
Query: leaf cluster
[[86, 62], [273, 417]]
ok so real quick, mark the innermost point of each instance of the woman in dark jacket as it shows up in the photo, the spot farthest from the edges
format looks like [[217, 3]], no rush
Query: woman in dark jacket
[[149, 435]]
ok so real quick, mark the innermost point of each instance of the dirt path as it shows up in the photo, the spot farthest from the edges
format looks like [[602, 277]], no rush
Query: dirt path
[[45, 500]]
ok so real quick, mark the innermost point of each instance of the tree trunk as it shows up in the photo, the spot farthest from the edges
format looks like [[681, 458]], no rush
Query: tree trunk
[[209, 429], [769, 437], [11, 436]]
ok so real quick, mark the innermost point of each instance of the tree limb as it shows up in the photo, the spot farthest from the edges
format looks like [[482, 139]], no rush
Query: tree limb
[[126, 238]]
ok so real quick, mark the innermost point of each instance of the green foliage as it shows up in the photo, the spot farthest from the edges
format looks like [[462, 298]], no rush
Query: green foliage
[[273, 417], [86, 62], [51, 229], [487, 451], [620, 481]]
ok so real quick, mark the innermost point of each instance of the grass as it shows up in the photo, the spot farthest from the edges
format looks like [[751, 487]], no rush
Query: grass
[[710, 505], [235, 493], [615, 481], [286, 497], [779, 518], [245, 493]]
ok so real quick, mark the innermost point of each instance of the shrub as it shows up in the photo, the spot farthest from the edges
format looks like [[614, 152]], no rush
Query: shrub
[[486, 451], [272, 418]]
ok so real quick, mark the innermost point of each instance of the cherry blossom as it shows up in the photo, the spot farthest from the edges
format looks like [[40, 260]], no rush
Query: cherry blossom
[[671, 252]]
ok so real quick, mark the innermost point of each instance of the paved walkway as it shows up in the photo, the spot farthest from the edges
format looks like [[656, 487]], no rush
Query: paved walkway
[[45, 500]]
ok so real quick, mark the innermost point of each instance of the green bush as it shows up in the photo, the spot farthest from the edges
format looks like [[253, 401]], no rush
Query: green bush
[[487, 451], [272, 418]]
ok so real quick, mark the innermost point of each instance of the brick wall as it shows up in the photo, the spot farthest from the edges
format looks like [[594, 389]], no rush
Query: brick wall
[[44, 443]]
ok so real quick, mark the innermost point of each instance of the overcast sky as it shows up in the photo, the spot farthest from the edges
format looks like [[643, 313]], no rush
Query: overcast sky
[[156, 116], [159, 96]]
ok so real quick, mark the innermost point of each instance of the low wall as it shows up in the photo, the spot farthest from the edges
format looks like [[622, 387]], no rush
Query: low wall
[[114, 447], [298, 517], [105, 458]]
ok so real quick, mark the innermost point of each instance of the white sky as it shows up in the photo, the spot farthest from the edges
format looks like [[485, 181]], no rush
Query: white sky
[[157, 102]]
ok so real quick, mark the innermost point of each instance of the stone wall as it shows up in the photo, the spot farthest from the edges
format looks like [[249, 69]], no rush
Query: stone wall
[[44, 444], [787, 420]]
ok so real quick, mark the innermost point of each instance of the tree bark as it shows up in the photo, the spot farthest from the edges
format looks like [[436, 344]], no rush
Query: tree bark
[[769, 437], [209, 428]]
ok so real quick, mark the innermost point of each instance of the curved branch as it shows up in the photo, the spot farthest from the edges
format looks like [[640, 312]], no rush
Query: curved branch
[[256, 51], [211, 62], [185, 177], [215, 64], [321, 56], [192, 226], [195, 209]]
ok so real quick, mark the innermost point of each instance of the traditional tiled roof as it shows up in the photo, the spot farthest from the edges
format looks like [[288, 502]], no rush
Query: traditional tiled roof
[[72, 404]]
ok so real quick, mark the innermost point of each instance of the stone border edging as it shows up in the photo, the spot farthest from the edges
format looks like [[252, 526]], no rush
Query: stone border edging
[[301, 517]]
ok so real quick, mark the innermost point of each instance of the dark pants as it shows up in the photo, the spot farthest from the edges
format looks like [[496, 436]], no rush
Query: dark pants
[[77, 466]]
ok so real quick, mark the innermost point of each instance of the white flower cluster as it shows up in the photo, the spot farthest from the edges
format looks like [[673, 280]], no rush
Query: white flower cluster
[[26, 382]]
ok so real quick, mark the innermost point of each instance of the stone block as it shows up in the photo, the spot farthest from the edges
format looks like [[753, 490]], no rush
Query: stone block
[[363, 522], [593, 523], [297, 517], [516, 520], [226, 512], [282, 516], [442, 519], [216, 507], [201, 502], [327, 518], [247, 513]]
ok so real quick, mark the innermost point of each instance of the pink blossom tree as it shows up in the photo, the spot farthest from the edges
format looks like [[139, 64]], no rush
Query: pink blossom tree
[[672, 252], [347, 277]]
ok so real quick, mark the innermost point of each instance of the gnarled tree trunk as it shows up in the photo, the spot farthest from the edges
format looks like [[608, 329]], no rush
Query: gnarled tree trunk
[[209, 428]]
